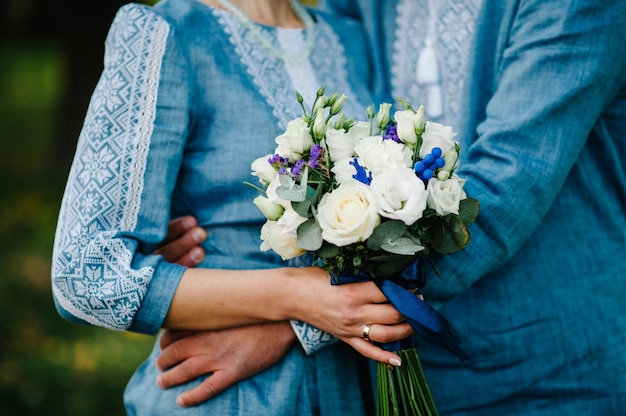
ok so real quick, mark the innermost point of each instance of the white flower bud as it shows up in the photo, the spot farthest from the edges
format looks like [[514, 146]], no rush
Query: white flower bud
[[270, 210], [383, 117], [336, 107], [319, 124]]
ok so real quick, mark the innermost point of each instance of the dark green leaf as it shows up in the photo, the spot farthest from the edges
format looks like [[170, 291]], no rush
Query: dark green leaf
[[328, 251], [459, 233], [468, 210], [392, 265]]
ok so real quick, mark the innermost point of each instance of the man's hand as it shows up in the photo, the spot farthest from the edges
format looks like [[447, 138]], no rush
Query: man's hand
[[229, 356], [182, 244]]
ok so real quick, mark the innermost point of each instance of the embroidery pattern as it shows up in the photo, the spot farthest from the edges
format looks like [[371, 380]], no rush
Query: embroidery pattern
[[104, 191], [451, 47]]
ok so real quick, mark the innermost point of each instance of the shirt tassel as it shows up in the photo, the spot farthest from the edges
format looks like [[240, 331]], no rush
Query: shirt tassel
[[427, 75]]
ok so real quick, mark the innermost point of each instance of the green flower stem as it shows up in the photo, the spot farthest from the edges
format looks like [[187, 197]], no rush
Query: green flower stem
[[403, 391]]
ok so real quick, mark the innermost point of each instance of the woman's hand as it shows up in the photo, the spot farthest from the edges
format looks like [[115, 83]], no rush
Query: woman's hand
[[345, 310]]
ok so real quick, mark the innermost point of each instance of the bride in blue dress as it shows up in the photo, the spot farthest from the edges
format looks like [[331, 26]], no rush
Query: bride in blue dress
[[191, 93]]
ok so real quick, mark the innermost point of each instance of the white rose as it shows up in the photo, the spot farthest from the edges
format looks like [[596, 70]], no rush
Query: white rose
[[444, 196], [343, 170], [379, 156], [340, 144], [348, 214], [282, 242], [295, 141], [262, 169], [437, 135], [407, 122], [400, 195]]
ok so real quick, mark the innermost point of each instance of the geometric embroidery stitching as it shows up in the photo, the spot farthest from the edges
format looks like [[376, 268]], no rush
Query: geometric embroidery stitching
[[92, 274]]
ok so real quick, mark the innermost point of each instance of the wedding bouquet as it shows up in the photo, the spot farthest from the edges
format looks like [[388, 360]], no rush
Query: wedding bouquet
[[372, 200]]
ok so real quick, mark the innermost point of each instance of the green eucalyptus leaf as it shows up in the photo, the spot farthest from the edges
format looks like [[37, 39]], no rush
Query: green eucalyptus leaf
[[401, 245], [302, 208], [310, 236], [290, 190], [385, 233]]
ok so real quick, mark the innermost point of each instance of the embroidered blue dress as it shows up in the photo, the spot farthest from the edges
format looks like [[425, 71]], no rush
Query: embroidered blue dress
[[187, 100], [539, 295]]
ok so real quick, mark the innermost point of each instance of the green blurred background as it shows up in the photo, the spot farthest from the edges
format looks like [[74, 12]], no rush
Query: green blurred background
[[50, 60]]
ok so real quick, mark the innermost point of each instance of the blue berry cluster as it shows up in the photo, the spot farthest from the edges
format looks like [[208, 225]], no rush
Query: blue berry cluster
[[425, 168]]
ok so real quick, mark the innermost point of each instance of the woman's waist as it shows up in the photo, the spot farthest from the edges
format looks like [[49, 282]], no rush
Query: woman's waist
[[238, 246]]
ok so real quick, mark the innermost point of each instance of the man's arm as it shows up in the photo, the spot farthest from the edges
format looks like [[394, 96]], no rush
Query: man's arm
[[229, 356]]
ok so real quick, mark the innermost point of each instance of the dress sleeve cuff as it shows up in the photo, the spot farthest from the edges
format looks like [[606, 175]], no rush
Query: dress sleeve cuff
[[311, 338]]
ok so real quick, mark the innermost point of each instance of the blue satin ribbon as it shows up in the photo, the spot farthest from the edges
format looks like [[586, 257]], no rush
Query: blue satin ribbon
[[428, 323]]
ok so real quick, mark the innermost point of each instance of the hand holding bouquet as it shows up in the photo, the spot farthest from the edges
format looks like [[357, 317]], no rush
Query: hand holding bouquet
[[371, 200]]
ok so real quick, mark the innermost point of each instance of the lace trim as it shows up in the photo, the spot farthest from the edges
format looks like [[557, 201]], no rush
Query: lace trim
[[451, 46], [92, 274], [269, 73]]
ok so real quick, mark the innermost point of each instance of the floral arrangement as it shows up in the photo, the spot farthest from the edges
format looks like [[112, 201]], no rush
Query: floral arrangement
[[372, 200]]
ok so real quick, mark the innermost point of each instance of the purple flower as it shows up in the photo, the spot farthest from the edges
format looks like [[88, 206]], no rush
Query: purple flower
[[314, 157], [279, 163], [296, 169], [392, 134]]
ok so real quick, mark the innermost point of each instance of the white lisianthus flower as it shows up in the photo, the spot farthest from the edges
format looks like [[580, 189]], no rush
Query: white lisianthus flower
[[400, 195], [343, 170], [272, 196], [275, 237], [291, 220], [262, 169], [296, 141], [379, 156], [340, 144], [348, 214], [408, 121], [270, 210], [437, 135], [451, 157], [444, 196]]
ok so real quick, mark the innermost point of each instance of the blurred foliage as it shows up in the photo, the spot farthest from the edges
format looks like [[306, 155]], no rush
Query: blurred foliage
[[47, 366]]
